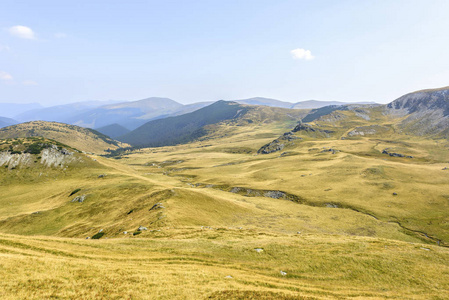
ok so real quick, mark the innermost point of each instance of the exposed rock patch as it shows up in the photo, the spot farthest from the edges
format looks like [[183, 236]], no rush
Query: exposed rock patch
[[367, 130], [279, 143], [15, 160], [53, 157], [309, 128]]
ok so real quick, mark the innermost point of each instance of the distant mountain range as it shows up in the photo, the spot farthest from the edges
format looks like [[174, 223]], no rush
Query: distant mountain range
[[309, 104], [11, 110], [130, 114], [59, 113], [156, 121]]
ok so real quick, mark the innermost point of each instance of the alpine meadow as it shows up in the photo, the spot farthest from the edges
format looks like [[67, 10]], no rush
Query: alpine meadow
[[247, 198]]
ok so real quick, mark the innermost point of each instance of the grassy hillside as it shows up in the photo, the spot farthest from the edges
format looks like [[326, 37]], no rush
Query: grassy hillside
[[183, 128], [83, 139], [203, 123]]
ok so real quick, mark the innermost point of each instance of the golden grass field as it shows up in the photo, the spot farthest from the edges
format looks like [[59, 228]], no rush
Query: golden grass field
[[344, 235]]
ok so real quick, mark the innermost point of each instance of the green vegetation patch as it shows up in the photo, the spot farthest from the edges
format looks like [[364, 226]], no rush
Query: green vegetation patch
[[74, 192], [98, 236]]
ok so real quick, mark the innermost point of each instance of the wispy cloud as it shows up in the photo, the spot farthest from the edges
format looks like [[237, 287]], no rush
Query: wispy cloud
[[60, 35], [300, 53], [4, 48], [22, 32], [5, 76], [29, 82]]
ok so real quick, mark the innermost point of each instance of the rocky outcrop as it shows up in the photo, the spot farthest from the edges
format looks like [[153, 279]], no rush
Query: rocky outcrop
[[15, 160], [54, 157], [279, 143], [312, 130], [79, 199], [427, 110], [367, 130], [394, 154]]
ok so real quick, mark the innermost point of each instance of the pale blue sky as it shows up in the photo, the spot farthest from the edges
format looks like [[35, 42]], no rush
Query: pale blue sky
[[208, 50]]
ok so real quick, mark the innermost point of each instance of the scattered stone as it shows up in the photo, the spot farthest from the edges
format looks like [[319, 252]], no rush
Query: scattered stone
[[427, 249], [125, 232], [229, 276], [395, 194], [79, 199], [393, 154], [331, 205], [101, 230], [333, 151], [157, 206], [102, 176], [283, 273], [87, 237], [141, 228], [299, 232], [445, 168], [258, 250]]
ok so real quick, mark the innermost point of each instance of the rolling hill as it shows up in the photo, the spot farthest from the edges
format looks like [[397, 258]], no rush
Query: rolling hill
[[83, 139], [191, 126], [114, 130], [183, 128], [4, 122], [426, 112]]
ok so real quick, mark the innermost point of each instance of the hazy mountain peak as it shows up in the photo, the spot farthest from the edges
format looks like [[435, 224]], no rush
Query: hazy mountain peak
[[147, 105]]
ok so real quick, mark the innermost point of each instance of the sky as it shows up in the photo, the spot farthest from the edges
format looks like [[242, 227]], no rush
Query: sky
[[56, 52]]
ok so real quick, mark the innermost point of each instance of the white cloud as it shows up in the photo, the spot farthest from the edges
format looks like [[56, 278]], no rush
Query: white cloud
[[29, 82], [60, 35], [302, 54], [22, 32], [5, 76]]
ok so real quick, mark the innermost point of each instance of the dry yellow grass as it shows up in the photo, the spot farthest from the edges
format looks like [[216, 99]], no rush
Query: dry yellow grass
[[356, 240], [194, 263]]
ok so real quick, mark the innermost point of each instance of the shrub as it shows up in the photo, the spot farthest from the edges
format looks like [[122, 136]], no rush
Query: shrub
[[98, 236], [74, 192]]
